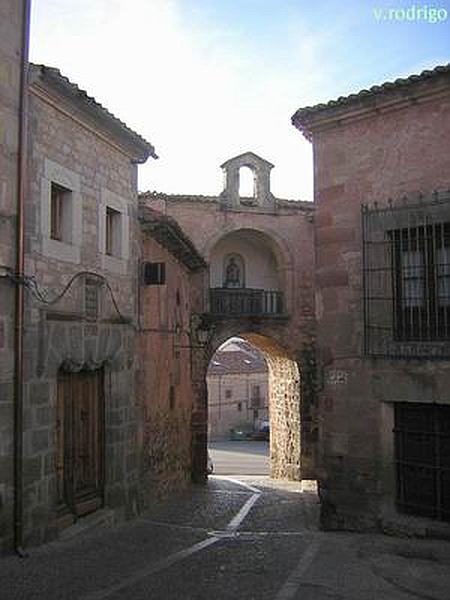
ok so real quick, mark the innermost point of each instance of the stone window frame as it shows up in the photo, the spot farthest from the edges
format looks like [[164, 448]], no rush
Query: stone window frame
[[69, 248], [118, 261]]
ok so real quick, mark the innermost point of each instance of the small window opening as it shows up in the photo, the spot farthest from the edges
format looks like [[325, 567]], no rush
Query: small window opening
[[228, 393], [246, 183], [91, 298], [113, 223], [154, 273], [256, 396], [239, 406], [59, 206]]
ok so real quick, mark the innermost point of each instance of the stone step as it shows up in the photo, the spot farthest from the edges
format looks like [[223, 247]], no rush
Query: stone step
[[104, 517]]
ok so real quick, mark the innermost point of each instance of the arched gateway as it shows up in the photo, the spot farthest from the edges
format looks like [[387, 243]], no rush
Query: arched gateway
[[259, 286]]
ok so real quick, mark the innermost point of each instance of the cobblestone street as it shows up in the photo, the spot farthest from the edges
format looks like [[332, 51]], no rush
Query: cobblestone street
[[248, 539]]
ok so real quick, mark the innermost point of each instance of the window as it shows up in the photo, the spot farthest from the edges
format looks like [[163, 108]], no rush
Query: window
[[421, 282], [228, 393], [406, 278], [256, 396], [154, 273], [422, 457], [113, 232], [239, 406], [59, 204], [92, 298], [61, 213]]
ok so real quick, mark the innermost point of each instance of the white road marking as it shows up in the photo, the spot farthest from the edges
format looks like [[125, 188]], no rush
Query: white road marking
[[294, 580], [182, 554], [151, 570], [238, 482], [237, 519]]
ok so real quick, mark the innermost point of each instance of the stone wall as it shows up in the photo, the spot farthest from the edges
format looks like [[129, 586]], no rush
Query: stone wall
[[288, 231], [65, 334], [165, 390], [11, 13], [373, 158]]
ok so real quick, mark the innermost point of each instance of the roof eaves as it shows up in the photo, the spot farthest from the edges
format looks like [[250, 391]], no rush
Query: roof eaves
[[305, 119], [166, 231], [52, 78]]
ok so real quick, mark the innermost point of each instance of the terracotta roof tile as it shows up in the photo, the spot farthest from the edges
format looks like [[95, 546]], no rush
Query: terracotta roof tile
[[302, 116], [55, 76]]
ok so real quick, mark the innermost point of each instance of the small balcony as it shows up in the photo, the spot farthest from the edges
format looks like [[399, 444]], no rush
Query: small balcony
[[245, 302]]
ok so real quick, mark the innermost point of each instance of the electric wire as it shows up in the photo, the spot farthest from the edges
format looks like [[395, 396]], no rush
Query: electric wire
[[31, 284]]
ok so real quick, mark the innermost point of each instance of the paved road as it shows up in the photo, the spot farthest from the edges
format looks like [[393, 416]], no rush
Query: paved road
[[247, 539], [240, 458]]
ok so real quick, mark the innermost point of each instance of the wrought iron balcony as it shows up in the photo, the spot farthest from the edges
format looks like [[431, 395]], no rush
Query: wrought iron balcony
[[245, 302]]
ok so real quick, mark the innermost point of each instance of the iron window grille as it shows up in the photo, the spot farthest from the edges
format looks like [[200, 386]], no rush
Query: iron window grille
[[406, 278], [92, 289], [422, 457]]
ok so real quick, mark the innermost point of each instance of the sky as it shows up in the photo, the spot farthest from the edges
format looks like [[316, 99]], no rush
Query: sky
[[206, 80]]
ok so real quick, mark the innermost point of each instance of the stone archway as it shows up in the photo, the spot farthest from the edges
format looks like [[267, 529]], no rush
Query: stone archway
[[284, 408], [285, 402]]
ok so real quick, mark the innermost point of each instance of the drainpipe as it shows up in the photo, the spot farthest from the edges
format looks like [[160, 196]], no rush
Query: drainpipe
[[20, 256]]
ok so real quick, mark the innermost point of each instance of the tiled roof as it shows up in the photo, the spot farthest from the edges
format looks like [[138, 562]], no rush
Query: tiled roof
[[302, 116], [166, 231], [54, 77], [239, 357]]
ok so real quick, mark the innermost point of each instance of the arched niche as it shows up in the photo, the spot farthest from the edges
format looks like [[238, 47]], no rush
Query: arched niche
[[233, 271]]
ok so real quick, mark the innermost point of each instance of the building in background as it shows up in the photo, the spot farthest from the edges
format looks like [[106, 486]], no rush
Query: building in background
[[259, 287], [237, 382], [382, 180]]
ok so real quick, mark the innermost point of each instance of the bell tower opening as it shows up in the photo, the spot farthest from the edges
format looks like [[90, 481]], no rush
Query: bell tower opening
[[247, 183]]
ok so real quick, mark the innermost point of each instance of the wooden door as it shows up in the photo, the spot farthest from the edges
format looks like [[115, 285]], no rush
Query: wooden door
[[80, 442]]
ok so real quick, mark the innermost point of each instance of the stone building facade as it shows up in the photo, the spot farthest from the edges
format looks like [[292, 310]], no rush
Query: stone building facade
[[259, 286], [170, 295], [80, 408], [14, 25], [382, 175], [237, 381]]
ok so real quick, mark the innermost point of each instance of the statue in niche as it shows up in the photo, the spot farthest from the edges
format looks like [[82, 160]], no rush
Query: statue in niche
[[233, 275]]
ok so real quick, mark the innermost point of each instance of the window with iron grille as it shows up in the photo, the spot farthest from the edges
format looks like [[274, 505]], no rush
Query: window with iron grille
[[422, 456], [406, 278]]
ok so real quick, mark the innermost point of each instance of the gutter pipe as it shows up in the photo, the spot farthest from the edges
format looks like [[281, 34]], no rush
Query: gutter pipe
[[19, 300]]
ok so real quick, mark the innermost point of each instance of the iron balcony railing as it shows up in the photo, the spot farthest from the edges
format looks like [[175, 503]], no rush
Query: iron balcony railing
[[245, 302]]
